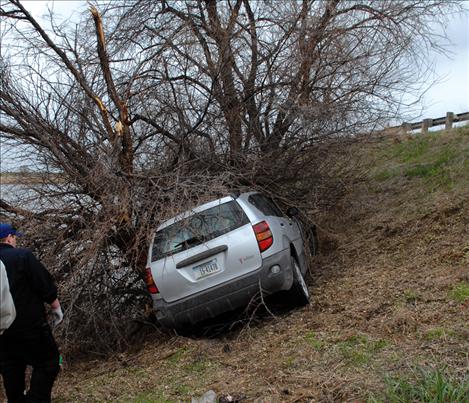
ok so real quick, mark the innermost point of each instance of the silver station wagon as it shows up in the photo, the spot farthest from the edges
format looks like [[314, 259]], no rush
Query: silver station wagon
[[220, 255]]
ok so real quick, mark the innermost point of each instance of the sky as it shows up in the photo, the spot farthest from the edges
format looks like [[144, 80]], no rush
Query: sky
[[451, 93]]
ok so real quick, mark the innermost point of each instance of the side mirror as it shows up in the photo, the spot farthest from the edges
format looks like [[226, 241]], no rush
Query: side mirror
[[292, 212]]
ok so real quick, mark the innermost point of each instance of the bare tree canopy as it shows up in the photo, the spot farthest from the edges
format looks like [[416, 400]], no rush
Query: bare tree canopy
[[146, 107]]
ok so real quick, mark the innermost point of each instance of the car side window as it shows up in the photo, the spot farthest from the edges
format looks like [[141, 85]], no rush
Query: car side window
[[265, 205]]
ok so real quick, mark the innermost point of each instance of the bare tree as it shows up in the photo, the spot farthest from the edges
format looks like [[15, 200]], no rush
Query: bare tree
[[144, 108]]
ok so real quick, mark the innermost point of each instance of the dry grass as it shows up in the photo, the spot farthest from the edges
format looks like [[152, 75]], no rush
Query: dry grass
[[395, 251], [388, 297]]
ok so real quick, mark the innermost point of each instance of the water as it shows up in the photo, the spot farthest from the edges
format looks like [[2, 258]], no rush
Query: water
[[27, 197]]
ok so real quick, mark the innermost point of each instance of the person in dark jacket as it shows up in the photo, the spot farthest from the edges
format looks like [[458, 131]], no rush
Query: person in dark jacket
[[28, 340]]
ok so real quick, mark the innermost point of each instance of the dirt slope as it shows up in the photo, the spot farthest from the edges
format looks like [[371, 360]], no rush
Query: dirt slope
[[390, 296]]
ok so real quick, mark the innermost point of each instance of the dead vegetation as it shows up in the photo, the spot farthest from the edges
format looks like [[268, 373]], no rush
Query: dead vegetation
[[390, 297]]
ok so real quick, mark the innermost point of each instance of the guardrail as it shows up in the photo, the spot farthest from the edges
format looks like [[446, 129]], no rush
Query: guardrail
[[425, 124]]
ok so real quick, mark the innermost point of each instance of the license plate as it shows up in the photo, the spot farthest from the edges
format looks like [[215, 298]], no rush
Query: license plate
[[206, 269]]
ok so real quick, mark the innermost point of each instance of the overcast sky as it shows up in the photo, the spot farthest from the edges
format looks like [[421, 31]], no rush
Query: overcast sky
[[451, 93]]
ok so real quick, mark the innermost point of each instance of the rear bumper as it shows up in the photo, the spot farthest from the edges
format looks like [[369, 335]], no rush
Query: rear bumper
[[228, 296]]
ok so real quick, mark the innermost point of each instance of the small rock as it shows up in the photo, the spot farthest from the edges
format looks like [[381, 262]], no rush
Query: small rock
[[208, 397]]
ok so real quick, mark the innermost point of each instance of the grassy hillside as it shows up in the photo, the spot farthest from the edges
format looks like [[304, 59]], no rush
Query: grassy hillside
[[389, 318]]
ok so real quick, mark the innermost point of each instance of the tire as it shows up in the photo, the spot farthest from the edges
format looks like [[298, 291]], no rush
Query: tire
[[298, 293]]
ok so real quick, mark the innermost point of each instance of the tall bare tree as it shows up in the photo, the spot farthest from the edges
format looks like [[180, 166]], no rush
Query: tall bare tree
[[144, 107]]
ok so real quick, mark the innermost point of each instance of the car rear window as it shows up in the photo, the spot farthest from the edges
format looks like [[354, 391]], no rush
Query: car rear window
[[198, 228]]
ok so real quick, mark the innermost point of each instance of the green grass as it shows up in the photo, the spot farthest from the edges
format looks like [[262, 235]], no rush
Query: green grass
[[437, 334], [178, 355], [290, 361], [386, 174], [313, 340], [460, 292], [410, 296], [183, 390], [439, 159], [413, 149], [433, 386], [425, 170], [360, 350], [198, 366]]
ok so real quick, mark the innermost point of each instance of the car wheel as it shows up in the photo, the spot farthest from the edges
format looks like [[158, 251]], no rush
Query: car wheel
[[299, 292]]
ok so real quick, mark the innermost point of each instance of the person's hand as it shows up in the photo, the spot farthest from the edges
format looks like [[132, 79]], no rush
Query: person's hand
[[57, 316]]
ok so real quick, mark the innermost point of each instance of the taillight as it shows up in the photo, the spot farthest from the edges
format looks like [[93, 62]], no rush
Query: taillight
[[151, 286], [263, 235]]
